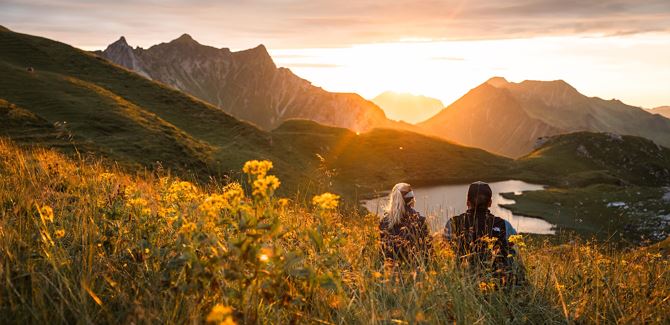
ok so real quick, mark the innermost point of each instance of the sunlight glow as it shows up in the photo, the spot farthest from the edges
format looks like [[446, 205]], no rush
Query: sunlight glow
[[633, 68]]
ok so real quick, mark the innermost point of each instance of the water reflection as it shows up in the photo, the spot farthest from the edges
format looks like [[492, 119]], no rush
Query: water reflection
[[439, 203]]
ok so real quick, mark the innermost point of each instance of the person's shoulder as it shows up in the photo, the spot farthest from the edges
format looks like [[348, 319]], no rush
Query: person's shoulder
[[458, 217], [384, 222], [413, 213]]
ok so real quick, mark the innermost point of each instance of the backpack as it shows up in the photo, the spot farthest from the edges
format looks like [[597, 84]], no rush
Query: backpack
[[480, 239]]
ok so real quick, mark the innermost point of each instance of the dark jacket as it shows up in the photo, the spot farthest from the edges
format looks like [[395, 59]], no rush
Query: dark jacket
[[407, 241], [479, 238]]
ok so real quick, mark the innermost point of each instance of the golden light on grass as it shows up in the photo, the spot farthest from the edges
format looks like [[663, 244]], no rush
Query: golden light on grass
[[214, 254]]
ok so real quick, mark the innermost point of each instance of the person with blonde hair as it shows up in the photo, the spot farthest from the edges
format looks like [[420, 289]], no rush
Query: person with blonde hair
[[403, 231]]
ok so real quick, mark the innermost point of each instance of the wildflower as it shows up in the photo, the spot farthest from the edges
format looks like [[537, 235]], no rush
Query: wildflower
[[282, 203], [517, 240], [265, 186], [486, 286], [221, 314], [377, 275], [234, 194], [107, 177], [46, 213], [258, 168], [137, 203], [60, 233], [213, 205], [181, 191], [326, 201], [187, 228], [490, 241]]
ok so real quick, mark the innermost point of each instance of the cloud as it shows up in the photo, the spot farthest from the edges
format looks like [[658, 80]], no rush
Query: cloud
[[327, 23]]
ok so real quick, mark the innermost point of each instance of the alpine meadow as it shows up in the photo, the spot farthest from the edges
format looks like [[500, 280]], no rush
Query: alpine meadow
[[297, 162]]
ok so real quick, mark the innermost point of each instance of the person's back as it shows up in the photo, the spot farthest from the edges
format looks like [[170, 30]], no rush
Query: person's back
[[478, 237], [403, 232]]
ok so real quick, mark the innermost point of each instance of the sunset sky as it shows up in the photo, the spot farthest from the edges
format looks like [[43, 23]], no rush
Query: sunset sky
[[609, 49]]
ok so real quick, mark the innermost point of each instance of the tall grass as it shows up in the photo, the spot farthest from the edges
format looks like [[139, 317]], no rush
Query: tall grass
[[83, 243]]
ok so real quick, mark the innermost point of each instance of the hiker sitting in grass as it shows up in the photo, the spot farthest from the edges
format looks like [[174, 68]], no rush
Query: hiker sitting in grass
[[403, 231], [480, 239]]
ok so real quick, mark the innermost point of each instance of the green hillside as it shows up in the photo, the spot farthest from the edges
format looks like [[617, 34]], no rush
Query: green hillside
[[123, 116], [584, 158], [604, 184], [375, 160]]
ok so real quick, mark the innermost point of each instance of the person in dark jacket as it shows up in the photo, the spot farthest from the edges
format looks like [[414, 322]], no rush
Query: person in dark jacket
[[480, 239], [403, 231]]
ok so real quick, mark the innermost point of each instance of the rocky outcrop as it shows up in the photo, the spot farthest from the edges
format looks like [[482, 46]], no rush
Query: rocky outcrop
[[247, 84]]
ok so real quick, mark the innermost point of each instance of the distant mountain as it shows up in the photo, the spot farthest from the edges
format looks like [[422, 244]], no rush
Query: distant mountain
[[408, 107], [662, 110], [508, 118], [246, 84]]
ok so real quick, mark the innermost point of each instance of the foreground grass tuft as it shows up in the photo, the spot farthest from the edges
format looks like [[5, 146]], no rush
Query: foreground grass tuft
[[83, 243]]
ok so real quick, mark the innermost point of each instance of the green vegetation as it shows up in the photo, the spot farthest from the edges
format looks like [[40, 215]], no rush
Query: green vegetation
[[584, 158], [378, 159], [80, 242], [590, 170], [631, 213]]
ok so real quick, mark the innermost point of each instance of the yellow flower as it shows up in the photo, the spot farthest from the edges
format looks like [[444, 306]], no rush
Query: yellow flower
[[517, 240], [181, 191], [46, 213], [490, 241], [265, 186], [326, 201], [60, 233], [106, 177], [282, 203], [139, 203], [187, 228], [234, 194], [221, 314], [258, 168], [213, 205], [486, 286]]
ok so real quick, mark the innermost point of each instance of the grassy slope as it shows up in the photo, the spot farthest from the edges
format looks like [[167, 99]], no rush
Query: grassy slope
[[128, 117], [585, 158], [592, 170], [138, 249], [378, 159]]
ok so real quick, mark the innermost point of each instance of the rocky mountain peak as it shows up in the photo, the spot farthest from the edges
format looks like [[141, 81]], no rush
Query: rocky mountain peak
[[259, 55], [121, 43], [185, 38], [497, 82]]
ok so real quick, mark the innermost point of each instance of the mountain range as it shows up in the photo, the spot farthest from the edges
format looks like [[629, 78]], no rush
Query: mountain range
[[510, 118], [408, 107], [502, 117], [246, 84], [661, 110]]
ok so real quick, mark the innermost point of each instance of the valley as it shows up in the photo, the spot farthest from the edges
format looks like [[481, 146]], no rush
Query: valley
[[57, 96]]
